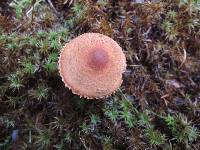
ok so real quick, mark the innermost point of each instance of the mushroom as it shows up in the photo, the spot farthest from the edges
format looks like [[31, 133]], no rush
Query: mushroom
[[91, 65]]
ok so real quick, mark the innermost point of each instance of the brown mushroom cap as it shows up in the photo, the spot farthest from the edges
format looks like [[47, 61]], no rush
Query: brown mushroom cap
[[91, 65]]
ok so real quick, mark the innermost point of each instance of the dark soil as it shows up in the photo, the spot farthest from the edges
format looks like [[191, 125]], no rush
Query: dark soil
[[162, 79]]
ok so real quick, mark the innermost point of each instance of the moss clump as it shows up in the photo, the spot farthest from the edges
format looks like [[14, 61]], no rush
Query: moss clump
[[157, 105]]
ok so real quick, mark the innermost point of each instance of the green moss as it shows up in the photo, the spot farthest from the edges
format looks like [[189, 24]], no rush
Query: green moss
[[161, 42]]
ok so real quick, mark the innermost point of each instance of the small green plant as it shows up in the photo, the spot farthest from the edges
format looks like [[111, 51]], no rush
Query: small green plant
[[40, 93], [166, 26], [8, 123], [172, 14], [3, 37], [126, 105], [67, 137], [79, 10], [170, 30], [50, 66], [19, 6], [14, 101], [70, 23], [54, 44], [25, 38], [102, 3], [28, 67], [107, 143], [15, 82], [41, 34], [53, 35], [64, 33], [85, 128], [155, 137], [129, 119], [171, 122], [189, 2], [127, 112], [44, 46], [12, 46], [192, 23], [44, 138], [25, 146], [51, 63], [53, 56], [144, 119], [33, 42], [59, 146], [185, 132], [94, 119], [112, 114], [58, 123]]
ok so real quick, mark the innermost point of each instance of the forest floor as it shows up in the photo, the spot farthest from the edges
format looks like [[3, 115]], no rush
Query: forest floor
[[158, 105]]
